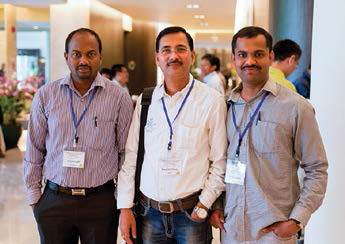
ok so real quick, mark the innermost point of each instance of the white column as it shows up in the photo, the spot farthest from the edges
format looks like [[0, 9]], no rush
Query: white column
[[244, 14], [327, 225], [65, 18]]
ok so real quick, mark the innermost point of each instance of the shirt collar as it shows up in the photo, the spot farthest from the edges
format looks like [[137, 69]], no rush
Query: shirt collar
[[269, 86], [161, 90], [98, 82], [277, 73], [210, 74]]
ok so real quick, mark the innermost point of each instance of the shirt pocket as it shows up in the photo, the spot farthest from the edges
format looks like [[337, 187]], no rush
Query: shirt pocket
[[265, 137], [102, 135], [186, 135]]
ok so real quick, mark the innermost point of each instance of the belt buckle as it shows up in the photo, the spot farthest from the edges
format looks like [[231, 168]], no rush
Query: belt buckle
[[78, 192], [162, 207]]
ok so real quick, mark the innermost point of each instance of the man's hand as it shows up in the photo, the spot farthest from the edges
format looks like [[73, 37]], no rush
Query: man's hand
[[217, 219], [127, 225], [194, 215], [283, 229]]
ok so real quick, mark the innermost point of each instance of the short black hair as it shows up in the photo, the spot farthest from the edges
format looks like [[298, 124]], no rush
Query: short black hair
[[286, 48], [80, 30], [116, 68], [213, 60], [105, 71], [172, 30], [250, 32]]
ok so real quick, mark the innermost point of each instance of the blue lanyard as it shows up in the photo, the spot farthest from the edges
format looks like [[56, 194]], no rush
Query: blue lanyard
[[178, 112], [249, 124], [76, 122]]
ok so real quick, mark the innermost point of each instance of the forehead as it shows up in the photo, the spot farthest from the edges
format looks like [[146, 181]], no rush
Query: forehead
[[205, 61], [83, 41], [174, 39], [251, 44]]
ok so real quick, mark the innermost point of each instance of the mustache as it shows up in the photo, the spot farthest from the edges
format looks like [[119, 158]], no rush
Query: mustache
[[251, 66], [83, 66], [175, 62]]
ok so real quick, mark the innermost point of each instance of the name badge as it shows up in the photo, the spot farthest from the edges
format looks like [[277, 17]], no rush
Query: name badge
[[171, 163], [73, 159], [235, 172]]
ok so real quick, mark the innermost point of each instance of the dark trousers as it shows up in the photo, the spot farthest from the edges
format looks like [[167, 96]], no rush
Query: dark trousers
[[63, 219]]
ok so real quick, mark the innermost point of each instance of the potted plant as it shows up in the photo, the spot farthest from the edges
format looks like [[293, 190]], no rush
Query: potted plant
[[15, 100]]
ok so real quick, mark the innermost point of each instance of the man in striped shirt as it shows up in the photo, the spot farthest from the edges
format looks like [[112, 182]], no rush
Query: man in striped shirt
[[77, 132]]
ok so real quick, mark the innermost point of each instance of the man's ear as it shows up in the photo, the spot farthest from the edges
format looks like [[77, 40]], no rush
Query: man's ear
[[193, 57], [272, 56], [65, 56], [156, 58], [292, 58]]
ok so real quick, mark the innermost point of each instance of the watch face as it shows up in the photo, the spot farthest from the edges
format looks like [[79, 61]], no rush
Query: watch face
[[202, 213]]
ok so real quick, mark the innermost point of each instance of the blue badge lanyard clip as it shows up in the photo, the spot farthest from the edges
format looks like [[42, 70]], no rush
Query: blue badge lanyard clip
[[178, 112]]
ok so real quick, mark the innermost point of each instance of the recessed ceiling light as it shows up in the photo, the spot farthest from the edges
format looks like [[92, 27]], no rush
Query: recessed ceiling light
[[194, 6], [199, 16]]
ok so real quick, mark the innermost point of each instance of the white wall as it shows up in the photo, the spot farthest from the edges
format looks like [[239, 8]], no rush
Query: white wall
[[327, 225]]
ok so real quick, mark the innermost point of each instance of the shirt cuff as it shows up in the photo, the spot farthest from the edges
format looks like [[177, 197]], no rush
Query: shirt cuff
[[33, 195], [300, 214], [124, 202], [207, 198]]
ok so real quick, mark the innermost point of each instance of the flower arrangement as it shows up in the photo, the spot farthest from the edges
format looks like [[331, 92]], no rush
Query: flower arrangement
[[16, 96]]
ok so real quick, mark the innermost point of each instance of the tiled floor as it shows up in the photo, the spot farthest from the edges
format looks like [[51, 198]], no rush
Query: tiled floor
[[17, 224]]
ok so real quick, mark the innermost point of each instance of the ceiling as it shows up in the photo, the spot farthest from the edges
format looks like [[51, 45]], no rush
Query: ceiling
[[216, 28], [219, 14]]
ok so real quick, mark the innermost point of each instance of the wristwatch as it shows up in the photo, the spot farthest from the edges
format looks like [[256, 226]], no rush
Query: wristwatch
[[299, 224], [200, 212]]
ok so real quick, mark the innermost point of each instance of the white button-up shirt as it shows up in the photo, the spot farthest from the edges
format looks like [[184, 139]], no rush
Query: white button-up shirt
[[213, 80], [198, 147]]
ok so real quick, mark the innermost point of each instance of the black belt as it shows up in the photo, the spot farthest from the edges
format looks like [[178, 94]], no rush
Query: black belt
[[78, 191], [181, 204]]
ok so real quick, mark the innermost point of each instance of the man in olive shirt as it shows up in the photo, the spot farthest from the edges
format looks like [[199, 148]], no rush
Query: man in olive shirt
[[272, 131]]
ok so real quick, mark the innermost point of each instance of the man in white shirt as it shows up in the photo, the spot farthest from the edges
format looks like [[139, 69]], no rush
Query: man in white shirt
[[210, 64], [185, 146], [120, 75]]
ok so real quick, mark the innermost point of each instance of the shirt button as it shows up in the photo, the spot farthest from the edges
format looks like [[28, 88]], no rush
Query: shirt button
[[82, 99]]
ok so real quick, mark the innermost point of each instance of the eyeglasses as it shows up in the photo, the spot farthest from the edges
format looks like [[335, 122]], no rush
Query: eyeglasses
[[169, 50]]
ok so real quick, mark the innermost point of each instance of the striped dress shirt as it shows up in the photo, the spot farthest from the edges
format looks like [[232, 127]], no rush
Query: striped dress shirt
[[102, 135]]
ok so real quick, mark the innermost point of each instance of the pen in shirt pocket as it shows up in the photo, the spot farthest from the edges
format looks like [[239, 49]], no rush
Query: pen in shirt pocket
[[95, 120], [258, 118]]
